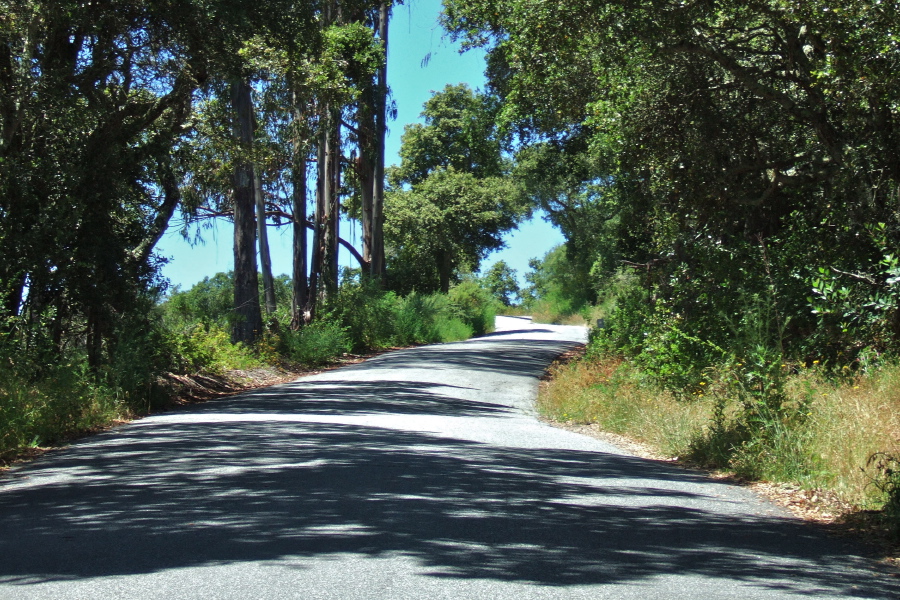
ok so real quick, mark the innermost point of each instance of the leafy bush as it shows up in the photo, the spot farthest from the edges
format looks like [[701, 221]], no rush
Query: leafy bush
[[558, 287], [318, 343], [453, 330], [208, 348], [366, 312], [474, 306], [63, 402], [416, 319]]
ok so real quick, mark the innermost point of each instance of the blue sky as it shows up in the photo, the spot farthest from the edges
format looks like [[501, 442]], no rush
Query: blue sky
[[415, 34]]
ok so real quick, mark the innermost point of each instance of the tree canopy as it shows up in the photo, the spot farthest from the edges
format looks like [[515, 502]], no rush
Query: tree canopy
[[452, 199], [732, 154]]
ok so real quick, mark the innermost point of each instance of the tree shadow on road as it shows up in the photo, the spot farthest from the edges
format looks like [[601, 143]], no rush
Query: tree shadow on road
[[507, 356], [211, 492], [351, 397], [256, 478]]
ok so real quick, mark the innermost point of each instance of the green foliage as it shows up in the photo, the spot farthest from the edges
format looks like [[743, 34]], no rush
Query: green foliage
[[724, 152], [452, 199], [210, 301], [459, 133], [449, 221], [557, 286], [860, 311], [886, 479], [425, 319], [500, 280], [318, 343], [115, 116], [365, 312], [202, 348], [62, 403], [375, 319], [475, 306]]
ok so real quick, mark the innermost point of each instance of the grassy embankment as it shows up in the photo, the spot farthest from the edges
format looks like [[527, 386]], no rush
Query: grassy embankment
[[837, 438]]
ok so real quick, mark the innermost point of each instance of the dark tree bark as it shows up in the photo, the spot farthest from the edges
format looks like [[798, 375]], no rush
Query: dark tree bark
[[331, 198], [445, 269], [318, 223], [377, 260], [300, 302], [248, 318], [365, 169], [263, 238]]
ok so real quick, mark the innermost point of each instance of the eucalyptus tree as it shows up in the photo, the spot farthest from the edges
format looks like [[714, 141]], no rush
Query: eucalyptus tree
[[308, 70]]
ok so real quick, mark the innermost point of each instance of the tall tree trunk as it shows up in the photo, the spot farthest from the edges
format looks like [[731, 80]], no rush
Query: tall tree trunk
[[300, 302], [378, 258], [365, 169], [331, 231], [248, 318], [445, 269], [13, 299], [318, 224], [263, 238]]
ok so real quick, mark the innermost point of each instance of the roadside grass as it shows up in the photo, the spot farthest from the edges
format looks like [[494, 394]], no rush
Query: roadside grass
[[63, 404], [825, 445], [556, 313], [610, 393]]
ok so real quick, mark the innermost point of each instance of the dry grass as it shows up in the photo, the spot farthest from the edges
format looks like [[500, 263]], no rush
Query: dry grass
[[827, 451], [847, 424], [608, 393]]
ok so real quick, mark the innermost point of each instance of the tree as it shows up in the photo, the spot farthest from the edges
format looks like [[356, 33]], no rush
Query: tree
[[247, 325], [94, 101], [500, 280], [457, 203], [557, 280], [449, 220], [743, 146], [312, 75], [459, 133]]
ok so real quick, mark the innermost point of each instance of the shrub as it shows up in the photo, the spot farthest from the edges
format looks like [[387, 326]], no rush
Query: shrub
[[474, 306], [366, 313], [453, 330], [318, 343], [62, 402], [416, 318]]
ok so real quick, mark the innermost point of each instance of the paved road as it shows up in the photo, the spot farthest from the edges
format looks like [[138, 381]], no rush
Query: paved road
[[419, 474]]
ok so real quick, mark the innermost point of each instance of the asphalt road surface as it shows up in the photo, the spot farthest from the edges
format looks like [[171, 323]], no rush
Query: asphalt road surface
[[418, 474]]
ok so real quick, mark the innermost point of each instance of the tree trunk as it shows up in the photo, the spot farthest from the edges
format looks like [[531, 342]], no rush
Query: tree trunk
[[13, 300], [445, 269], [377, 250], [263, 237], [318, 223], [330, 230], [247, 316], [300, 302], [365, 169]]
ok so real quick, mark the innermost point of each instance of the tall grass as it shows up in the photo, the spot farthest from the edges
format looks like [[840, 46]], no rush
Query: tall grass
[[609, 392], [823, 441], [62, 403]]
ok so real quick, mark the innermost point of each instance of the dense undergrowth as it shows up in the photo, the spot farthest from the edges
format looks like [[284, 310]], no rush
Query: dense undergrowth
[[46, 397]]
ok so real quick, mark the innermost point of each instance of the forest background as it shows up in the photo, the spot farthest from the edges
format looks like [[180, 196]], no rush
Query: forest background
[[725, 175]]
